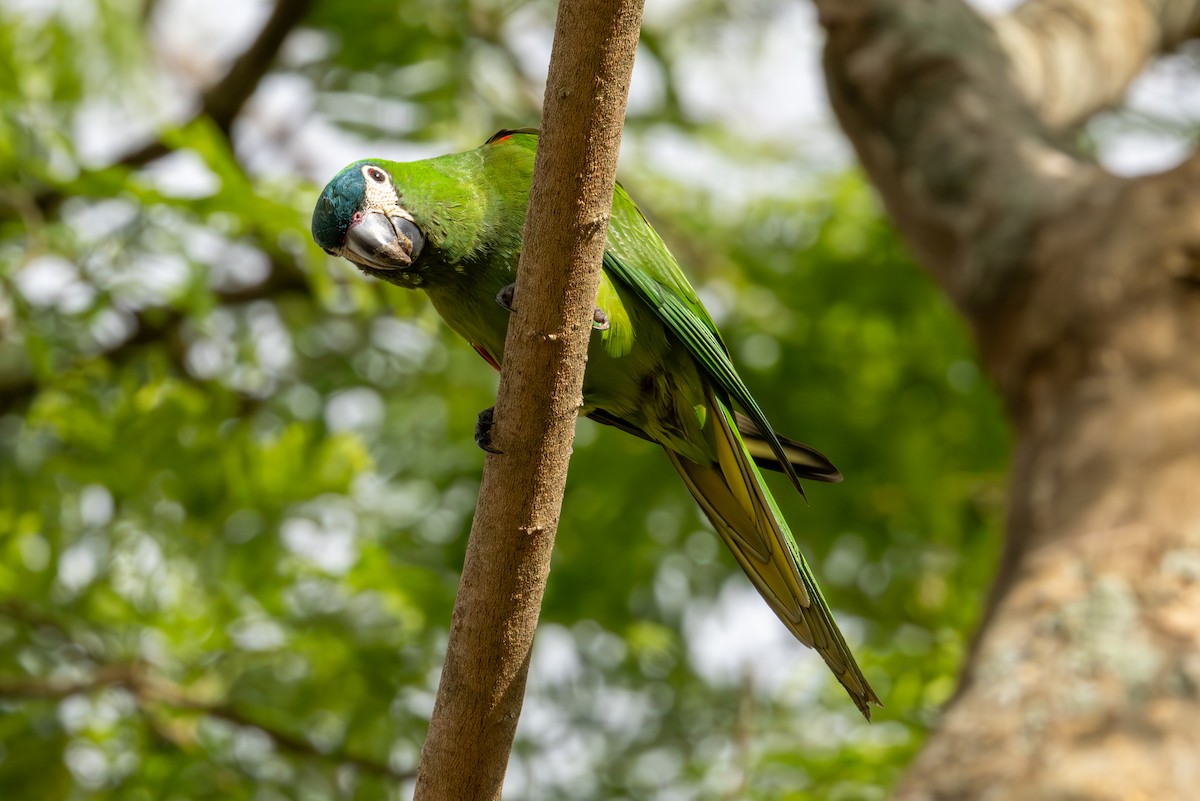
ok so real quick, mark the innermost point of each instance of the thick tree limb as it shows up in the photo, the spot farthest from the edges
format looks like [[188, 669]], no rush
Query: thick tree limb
[[1071, 59], [1081, 290], [1081, 681], [508, 557], [952, 117], [961, 162]]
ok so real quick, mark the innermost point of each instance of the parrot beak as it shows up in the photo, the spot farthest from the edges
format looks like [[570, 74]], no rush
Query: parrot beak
[[383, 243]]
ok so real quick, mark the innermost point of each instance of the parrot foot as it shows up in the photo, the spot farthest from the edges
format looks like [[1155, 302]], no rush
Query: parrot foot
[[483, 430], [505, 298]]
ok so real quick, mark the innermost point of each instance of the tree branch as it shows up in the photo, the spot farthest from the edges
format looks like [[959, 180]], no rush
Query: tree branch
[[223, 101], [149, 691], [158, 324], [508, 557], [32, 688], [955, 119], [1072, 58], [965, 168], [1077, 285]]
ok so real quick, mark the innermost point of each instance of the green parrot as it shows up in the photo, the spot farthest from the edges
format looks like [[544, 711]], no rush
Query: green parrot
[[657, 367]]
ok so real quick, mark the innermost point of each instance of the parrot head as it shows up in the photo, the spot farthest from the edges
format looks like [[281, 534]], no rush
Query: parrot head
[[359, 217]]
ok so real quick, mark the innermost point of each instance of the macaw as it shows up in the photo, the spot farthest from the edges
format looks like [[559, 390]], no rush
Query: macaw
[[657, 367]]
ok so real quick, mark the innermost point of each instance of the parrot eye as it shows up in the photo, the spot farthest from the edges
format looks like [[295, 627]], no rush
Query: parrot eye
[[376, 175]]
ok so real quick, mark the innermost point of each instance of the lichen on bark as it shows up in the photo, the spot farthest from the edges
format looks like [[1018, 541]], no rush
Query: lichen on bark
[[1082, 682]]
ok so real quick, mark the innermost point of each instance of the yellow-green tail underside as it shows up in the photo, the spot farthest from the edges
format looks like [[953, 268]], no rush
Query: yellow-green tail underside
[[737, 502]]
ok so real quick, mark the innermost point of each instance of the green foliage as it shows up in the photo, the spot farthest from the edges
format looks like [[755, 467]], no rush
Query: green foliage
[[236, 477]]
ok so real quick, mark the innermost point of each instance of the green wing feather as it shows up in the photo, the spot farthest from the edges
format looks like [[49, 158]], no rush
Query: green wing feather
[[805, 460], [731, 490], [662, 285]]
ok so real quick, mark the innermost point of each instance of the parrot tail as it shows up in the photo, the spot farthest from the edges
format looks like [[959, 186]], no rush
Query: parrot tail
[[807, 461], [737, 502]]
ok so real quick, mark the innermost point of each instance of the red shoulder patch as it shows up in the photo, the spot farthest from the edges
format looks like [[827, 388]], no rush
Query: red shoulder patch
[[508, 133], [487, 357]]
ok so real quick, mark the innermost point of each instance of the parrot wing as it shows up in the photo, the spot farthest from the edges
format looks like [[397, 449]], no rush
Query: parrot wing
[[732, 492], [806, 460]]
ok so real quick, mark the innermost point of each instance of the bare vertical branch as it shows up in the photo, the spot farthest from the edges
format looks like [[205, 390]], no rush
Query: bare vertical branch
[[508, 557]]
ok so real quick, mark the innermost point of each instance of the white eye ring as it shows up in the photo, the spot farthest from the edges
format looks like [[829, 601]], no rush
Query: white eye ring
[[375, 174]]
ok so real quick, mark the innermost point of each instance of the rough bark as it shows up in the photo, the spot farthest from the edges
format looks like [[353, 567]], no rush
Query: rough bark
[[508, 556], [1083, 290], [1071, 59]]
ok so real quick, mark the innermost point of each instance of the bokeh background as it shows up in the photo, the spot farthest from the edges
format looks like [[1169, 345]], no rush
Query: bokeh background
[[236, 476]]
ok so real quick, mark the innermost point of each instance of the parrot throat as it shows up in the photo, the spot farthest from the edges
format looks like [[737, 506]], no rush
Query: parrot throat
[[466, 300]]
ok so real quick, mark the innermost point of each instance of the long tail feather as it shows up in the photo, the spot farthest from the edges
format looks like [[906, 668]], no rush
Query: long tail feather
[[807, 461], [740, 507]]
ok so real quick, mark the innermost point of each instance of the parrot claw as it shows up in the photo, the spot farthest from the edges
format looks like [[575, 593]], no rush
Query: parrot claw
[[483, 430], [505, 298]]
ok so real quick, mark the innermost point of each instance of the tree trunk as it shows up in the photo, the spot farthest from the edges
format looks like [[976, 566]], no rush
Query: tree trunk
[[1083, 291], [508, 555]]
